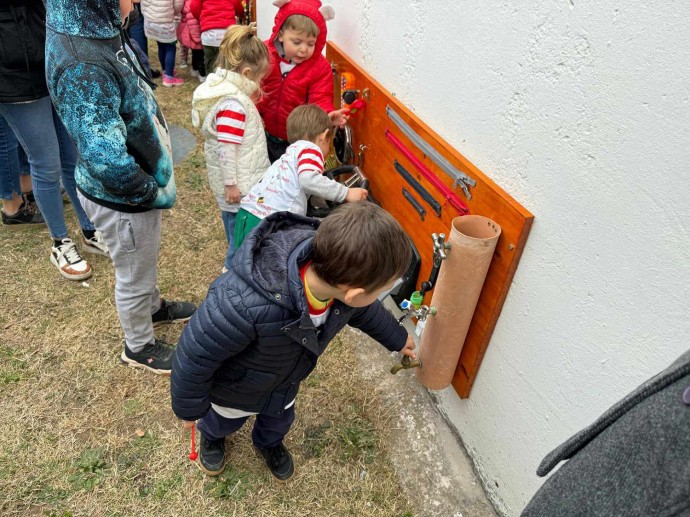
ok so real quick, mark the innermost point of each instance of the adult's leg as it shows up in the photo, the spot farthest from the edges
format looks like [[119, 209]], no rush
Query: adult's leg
[[10, 188], [134, 242], [31, 124], [68, 158], [136, 32]]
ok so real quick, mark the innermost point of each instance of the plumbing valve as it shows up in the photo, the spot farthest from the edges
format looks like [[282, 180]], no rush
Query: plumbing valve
[[414, 309]]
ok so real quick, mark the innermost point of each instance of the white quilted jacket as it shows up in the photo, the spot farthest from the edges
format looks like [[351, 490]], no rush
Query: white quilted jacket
[[161, 11], [252, 154]]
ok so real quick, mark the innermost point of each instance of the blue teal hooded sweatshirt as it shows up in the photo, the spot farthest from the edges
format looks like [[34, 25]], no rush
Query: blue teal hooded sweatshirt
[[106, 102]]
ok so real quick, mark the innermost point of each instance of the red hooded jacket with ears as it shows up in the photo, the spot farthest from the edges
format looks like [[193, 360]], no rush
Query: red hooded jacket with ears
[[310, 82]]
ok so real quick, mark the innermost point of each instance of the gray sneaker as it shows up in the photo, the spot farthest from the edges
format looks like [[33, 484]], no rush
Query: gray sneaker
[[155, 357]]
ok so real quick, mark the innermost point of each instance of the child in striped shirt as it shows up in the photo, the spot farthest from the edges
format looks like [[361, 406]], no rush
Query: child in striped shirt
[[223, 106], [295, 175]]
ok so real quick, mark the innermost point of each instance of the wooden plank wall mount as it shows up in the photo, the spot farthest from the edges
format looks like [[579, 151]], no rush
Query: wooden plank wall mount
[[488, 199]]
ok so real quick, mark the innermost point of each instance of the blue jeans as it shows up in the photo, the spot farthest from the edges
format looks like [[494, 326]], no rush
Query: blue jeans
[[50, 152], [9, 162], [229, 224], [136, 32], [166, 55]]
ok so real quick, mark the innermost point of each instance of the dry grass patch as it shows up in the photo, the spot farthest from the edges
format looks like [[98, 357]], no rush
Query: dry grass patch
[[83, 435]]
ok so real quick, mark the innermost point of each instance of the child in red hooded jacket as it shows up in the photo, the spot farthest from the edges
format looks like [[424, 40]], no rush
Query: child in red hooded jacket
[[299, 74], [215, 16]]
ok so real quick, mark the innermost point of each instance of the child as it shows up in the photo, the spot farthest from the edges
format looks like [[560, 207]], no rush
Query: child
[[298, 173], [263, 326], [215, 16], [125, 172], [160, 21], [189, 34], [299, 74], [235, 141]]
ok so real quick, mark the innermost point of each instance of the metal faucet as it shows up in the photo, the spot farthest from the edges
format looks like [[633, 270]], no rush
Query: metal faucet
[[406, 364]]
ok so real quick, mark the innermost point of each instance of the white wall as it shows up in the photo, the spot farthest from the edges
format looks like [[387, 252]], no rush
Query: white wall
[[579, 109]]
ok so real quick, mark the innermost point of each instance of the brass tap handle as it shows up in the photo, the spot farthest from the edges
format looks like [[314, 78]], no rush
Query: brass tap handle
[[406, 364]]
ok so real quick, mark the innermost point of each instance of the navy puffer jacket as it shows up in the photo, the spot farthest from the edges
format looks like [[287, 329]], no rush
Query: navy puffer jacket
[[251, 342]]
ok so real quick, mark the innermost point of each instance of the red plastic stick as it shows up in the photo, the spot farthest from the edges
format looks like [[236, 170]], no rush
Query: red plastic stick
[[193, 455], [430, 176]]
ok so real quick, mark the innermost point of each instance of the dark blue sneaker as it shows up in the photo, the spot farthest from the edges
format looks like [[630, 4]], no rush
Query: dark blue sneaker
[[279, 461]]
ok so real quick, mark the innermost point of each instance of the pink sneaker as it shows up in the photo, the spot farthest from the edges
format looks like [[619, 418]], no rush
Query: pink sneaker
[[172, 81]]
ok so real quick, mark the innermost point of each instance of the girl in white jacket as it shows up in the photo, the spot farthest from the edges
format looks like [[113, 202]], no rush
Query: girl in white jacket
[[160, 24], [223, 106]]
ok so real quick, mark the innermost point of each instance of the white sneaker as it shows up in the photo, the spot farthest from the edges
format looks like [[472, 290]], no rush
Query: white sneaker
[[66, 258], [95, 245], [194, 73], [201, 78]]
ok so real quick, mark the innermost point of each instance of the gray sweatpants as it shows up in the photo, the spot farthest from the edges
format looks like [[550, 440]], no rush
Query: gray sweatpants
[[134, 241]]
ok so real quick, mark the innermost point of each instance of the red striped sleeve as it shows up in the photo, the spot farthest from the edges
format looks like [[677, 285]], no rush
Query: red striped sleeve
[[309, 160], [230, 121]]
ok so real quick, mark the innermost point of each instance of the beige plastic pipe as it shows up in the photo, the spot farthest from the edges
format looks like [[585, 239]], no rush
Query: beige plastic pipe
[[461, 277]]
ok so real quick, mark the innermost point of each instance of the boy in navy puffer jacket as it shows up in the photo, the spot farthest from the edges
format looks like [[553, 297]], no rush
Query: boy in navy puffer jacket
[[264, 324]]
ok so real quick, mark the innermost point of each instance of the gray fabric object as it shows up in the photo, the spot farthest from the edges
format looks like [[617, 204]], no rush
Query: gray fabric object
[[134, 240], [633, 461]]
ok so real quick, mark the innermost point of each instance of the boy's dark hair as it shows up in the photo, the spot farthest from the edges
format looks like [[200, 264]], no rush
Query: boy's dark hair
[[306, 122], [360, 245]]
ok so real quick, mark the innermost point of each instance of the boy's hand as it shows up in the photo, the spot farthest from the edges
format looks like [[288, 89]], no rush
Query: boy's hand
[[408, 349], [356, 194], [186, 424], [232, 194], [339, 117]]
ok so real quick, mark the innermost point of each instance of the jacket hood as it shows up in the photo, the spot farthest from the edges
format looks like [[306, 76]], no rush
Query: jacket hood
[[270, 256], [308, 8], [95, 19]]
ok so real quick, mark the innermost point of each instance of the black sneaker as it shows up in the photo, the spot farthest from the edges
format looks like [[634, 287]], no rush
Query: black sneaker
[[28, 214], [279, 461], [155, 357], [212, 456], [155, 74], [173, 312]]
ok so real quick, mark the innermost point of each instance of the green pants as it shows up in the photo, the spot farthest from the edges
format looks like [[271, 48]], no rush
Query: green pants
[[244, 223], [210, 55]]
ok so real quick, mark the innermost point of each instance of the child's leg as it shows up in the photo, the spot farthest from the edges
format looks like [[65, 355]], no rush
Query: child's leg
[[276, 147], [210, 55], [166, 55], [198, 61], [229, 224], [269, 431], [183, 55], [216, 427], [244, 223]]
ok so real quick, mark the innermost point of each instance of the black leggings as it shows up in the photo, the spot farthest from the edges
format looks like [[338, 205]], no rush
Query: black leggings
[[198, 61]]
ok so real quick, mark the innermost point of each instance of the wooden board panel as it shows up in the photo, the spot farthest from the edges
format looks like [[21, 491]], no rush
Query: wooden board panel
[[488, 199]]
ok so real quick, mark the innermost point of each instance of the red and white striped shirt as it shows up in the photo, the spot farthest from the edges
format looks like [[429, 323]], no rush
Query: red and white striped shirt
[[309, 160], [230, 119]]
